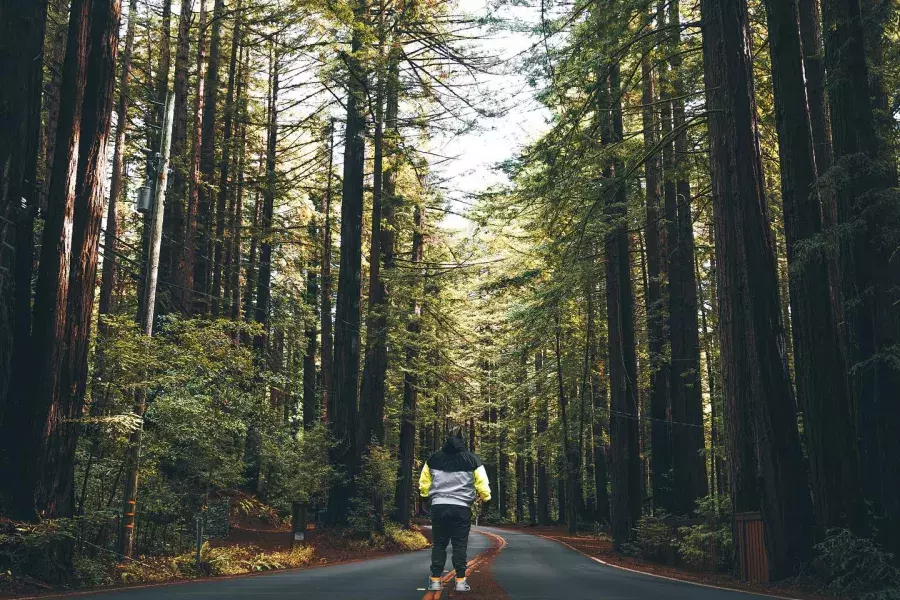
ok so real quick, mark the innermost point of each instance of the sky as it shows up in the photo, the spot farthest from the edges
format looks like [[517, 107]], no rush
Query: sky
[[478, 153]]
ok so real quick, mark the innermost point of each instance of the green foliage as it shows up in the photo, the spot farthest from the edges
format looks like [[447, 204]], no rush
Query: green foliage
[[695, 541], [653, 538], [856, 566], [375, 482]]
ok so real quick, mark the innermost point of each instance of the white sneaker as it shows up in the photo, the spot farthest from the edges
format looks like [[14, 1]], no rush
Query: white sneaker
[[463, 586], [434, 586]]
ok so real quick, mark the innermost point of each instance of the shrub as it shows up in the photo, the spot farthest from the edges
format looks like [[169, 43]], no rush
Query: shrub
[[856, 566], [653, 536], [694, 541]]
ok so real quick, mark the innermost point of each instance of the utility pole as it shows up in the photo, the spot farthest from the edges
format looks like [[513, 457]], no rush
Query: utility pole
[[129, 504]]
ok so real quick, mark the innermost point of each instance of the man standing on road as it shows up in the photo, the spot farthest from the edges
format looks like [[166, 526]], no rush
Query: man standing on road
[[450, 482]]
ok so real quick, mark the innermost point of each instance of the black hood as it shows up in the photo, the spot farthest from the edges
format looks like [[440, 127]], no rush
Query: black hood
[[454, 445]]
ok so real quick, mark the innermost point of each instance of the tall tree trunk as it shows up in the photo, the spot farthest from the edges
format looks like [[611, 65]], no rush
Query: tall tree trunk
[[310, 396], [173, 251], [381, 251], [660, 428], [566, 509], [188, 260], [225, 187], [822, 385], [600, 412], [41, 431], [205, 243], [327, 287], [54, 55], [625, 505], [869, 269], [543, 481], [348, 319], [529, 471], [161, 40], [814, 71], [116, 188], [252, 275], [22, 27], [689, 467], [757, 382], [237, 225], [410, 382], [264, 283], [231, 275]]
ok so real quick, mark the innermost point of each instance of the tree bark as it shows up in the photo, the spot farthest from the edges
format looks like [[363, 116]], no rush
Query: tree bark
[[327, 287], [264, 283], [177, 201], [821, 371], [660, 427], [381, 258], [348, 320], [688, 465], [22, 27], [543, 481], [406, 451], [205, 241], [625, 504], [757, 384], [42, 431], [870, 278], [188, 259], [116, 187], [225, 187], [600, 411], [310, 395]]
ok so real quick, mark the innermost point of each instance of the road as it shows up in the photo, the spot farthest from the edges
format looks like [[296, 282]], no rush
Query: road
[[532, 568], [528, 568]]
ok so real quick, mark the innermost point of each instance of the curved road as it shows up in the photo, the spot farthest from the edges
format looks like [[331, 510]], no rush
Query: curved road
[[532, 567], [528, 568]]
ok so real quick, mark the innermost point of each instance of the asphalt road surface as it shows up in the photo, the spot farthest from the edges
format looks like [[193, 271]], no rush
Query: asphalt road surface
[[529, 568], [532, 568]]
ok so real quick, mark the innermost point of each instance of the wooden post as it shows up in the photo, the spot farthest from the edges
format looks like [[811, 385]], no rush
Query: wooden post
[[298, 522]]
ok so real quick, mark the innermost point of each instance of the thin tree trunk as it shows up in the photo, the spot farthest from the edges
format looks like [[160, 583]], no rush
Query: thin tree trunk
[[264, 283], [325, 319], [660, 428], [225, 165], [252, 276], [205, 242], [410, 382], [543, 482], [188, 262], [310, 395], [688, 465], [110, 240], [600, 410], [176, 203]]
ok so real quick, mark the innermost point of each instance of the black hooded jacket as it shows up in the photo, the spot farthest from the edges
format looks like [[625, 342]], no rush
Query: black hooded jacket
[[453, 475]]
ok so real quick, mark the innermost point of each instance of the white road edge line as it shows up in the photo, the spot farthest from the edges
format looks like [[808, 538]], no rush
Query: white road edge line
[[706, 585]]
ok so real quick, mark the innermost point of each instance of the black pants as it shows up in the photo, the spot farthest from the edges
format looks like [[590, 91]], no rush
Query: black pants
[[450, 523]]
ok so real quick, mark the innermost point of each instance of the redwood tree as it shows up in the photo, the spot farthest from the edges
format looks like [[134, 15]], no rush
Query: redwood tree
[[758, 391]]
